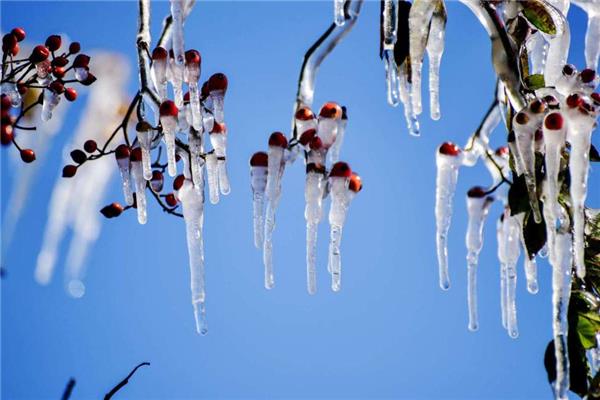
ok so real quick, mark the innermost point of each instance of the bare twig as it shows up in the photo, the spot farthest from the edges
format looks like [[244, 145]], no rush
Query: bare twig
[[68, 389], [124, 382]]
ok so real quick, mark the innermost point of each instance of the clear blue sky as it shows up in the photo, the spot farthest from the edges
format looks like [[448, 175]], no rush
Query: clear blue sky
[[391, 332]]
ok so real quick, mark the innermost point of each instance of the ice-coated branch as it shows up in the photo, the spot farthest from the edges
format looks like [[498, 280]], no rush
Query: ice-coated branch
[[315, 55], [124, 382]]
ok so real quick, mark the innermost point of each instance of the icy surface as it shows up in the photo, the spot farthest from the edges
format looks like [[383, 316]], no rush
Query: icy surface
[[49, 103], [169, 125], [333, 155], [140, 190], [258, 176], [435, 49], [10, 89], [340, 200], [513, 250], [524, 135], [145, 140], [338, 12], [274, 173], [212, 177], [501, 238], [313, 194], [419, 19]]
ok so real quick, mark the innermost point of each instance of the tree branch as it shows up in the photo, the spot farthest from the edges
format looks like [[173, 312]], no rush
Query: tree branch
[[125, 381]]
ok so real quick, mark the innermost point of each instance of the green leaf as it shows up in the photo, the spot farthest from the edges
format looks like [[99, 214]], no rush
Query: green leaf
[[588, 324], [535, 81], [539, 16]]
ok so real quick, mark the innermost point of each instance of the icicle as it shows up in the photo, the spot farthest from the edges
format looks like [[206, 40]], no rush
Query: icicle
[[405, 96], [212, 177], [390, 36], [592, 37], [217, 87], [525, 125], [51, 100], [513, 250], [313, 194], [579, 132], [530, 265], [276, 164], [392, 78], [339, 16], [158, 71], [193, 213], [140, 184], [196, 150], [304, 120], [435, 49], [122, 154], [448, 159], [419, 20], [334, 152], [561, 262], [477, 208], [501, 238], [218, 139], [192, 74], [258, 176], [10, 89], [168, 120], [537, 49], [558, 47], [329, 118], [566, 82], [175, 77], [145, 133]]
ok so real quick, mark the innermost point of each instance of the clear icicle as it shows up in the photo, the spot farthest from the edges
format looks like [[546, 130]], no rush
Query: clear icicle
[[333, 154], [501, 238], [339, 16], [340, 200], [258, 175], [537, 49], [524, 135], [392, 79], [412, 122], [145, 139], [140, 190], [193, 213], [513, 250], [219, 143], [212, 177], [49, 103], [561, 262], [195, 145], [477, 208], [124, 169], [419, 20], [558, 48], [390, 36], [274, 174], [195, 106], [313, 194], [218, 105], [447, 175], [592, 38], [158, 74], [435, 49], [530, 265], [178, 17], [169, 125]]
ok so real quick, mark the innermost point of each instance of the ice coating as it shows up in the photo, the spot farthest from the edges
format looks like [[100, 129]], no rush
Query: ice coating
[[530, 265], [328, 128], [219, 143], [158, 74], [501, 238], [212, 177], [558, 49], [333, 155], [10, 89], [479, 143], [196, 162], [258, 176], [338, 12], [169, 125], [274, 173], [340, 200], [145, 139], [447, 175], [192, 202], [477, 208], [81, 73], [512, 252], [592, 38], [391, 77], [524, 135], [406, 97], [435, 49], [537, 49], [177, 7], [419, 20], [124, 170], [51, 100], [195, 105], [140, 190], [175, 77], [390, 26], [313, 194]]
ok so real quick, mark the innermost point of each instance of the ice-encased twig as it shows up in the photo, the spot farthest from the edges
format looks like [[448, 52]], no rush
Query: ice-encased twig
[[477, 208], [195, 106], [529, 265], [169, 125], [391, 77], [196, 149], [313, 193], [390, 35], [558, 46], [193, 212], [478, 143], [435, 49], [592, 38], [338, 12], [145, 139], [273, 191], [447, 175], [333, 155]]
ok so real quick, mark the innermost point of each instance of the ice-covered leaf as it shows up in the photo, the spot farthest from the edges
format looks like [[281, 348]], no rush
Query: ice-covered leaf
[[538, 14], [577, 361], [588, 324], [535, 81], [534, 235], [517, 196]]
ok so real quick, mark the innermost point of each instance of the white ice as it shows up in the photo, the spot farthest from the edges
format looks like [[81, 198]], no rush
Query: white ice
[[140, 190], [419, 19], [524, 138], [340, 201], [145, 140], [406, 97], [339, 16], [273, 192], [10, 89], [313, 195], [512, 241], [219, 143], [435, 49], [212, 177], [259, 183], [169, 125], [333, 155]]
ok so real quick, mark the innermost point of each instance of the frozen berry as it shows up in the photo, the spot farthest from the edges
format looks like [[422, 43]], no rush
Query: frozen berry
[[69, 171], [171, 200], [551, 101], [449, 149], [40, 53], [477, 192], [7, 135], [122, 152], [596, 98], [112, 210], [60, 61], [341, 170], [192, 57], [331, 110], [53, 42], [259, 159], [9, 41], [88, 80], [304, 114], [27, 155], [315, 168], [159, 53], [521, 118], [58, 72], [355, 183], [74, 48], [574, 100], [157, 181], [217, 81], [71, 94], [90, 146], [537, 107], [568, 70], [168, 109], [587, 75], [219, 128], [136, 154], [307, 136], [81, 61], [178, 182], [19, 33], [502, 151], [22, 88], [278, 139], [553, 121], [316, 143], [57, 87]]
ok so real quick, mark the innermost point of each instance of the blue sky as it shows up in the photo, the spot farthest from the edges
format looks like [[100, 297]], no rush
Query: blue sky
[[390, 332]]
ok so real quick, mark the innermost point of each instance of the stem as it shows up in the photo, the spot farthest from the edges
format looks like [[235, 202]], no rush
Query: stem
[[124, 382]]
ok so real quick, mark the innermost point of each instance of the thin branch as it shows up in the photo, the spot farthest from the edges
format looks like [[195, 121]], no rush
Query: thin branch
[[68, 389], [124, 382], [165, 208]]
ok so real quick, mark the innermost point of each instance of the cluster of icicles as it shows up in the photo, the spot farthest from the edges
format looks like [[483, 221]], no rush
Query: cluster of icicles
[[197, 115], [425, 28], [560, 115], [320, 138]]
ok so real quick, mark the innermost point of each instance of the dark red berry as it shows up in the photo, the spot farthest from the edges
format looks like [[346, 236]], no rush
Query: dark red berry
[[78, 156], [74, 48], [90, 146], [60, 61], [539, 135], [71, 94], [568, 70], [553, 121], [57, 87], [122, 152], [27, 155], [449, 149], [259, 159], [178, 182], [502, 151], [355, 183], [219, 128], [6, 135], [171, 200], [159, 53], [574, 100], [186, 98], [112, 210], [587, 75], [9, 41], [331, 110], [521, 118], [53, 42], [341, 170], [278, 139], [344, 112], [58, 72], [6, 102], [157, 181], [596, 98], [88, 80], [551, 101], [81, 61], [40, 53], [136, 154], [537, 107], [168, 109], [315, 168], [217, 81], [307, 136], [69, 171], [316, 143], [19, 33], [192, 57], [304, 114], [204, 90], [477, 192], [143, 126]]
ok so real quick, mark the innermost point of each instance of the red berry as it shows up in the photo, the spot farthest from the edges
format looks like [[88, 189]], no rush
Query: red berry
[[186, 98], [340, 169], [521, 118], [58, 72], [355, 183], [477, 192], [217, 81], [192, 57], [69, 171], [81, 61], [122, 152], [90, 146], [112, 210], [6, 102], [88, 80], [568, 70], [502, 151], [157, 181], [143, 126], [40, 53], [168, 109], [7, 135], [159, 53], [553, 121], [304, 114], [19, 33], [78, 156], [537, 107], [27, 155], [316, 168], [587, 75], [551, 101], [9, 41], [278, 139], [449, 149], [178, 182], [74, 48], [136, 154], [60, 61], [53, 42], [596, 98], [219, 128], [57, 87], [171, 200], [316, 143], [259, 159], [574, 100], [22, 88], [307, 136], [71, 94], [204, 91], [15, 50], [539, 135], [331, 110]]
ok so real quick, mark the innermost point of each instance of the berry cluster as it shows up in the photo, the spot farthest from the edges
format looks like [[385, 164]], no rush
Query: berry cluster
[[48, 69]]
